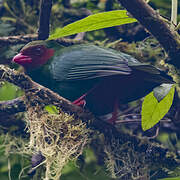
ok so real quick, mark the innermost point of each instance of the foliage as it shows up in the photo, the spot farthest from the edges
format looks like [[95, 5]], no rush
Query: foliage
[[94, 22], [164, 7], [5, 28], [85, 168], [175, 178], [7, 53], [17, 13], [9, 91], [15, 162], [12, 161], [156, 105]]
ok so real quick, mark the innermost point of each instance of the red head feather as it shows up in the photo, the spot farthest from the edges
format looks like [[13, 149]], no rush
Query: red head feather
[[33, 56]]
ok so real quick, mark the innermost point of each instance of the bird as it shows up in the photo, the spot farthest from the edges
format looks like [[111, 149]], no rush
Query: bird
[[93, 77]]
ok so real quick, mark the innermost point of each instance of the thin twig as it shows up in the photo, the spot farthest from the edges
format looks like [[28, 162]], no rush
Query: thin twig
[[20, 39], [127, 110], [24, 39], [174, 14], [128, 121], [139, 120], [19, 20], [12, 106], [9, 168], [126, 115], [155, 135]]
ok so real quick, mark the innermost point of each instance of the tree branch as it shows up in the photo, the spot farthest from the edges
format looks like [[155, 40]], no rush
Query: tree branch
[[37, 94], [153, 22], [21, 39], [12, 106], [45, 95], [45, 11], [24, 39]]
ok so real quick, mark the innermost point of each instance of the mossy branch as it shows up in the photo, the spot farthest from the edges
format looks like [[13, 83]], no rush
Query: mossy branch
[[153, 22], [45, 95], [45, 130], [12, 106], [24, 39]]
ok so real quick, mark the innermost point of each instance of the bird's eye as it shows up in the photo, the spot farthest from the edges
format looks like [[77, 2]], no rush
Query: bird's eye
[[38, 51]]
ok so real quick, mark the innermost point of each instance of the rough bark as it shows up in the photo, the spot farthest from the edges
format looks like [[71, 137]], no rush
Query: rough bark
[[44, 18], [153, 22]]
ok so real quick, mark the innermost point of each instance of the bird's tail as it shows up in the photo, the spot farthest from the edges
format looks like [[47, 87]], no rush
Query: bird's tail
[[153, 74]]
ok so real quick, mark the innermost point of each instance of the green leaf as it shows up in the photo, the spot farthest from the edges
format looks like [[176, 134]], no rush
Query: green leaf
[[9, 19], [94, 22], [5, 28], [9, 91], [161, 91], [153, 111], [175, 178], [51, 109]]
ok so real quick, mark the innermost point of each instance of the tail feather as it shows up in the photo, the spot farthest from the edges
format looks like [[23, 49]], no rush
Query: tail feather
[[153, 74]]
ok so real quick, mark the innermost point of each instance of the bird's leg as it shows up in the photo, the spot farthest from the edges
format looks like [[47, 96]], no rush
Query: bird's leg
[[80, 101], [113, 119]]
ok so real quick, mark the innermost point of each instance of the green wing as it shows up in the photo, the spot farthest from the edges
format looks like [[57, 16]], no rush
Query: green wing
[[85, 62], [81, 62]]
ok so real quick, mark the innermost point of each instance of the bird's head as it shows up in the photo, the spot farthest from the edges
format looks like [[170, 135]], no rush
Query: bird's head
[[35, 54]]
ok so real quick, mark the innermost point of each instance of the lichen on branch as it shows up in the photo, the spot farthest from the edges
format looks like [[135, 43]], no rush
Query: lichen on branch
[[59, 137]]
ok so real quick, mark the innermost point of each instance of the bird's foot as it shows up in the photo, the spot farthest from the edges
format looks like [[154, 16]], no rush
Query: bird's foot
[[109, 118], [113, 119], [80, 101]]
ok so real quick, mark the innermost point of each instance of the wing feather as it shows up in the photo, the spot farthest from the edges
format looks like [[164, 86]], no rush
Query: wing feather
[[81, 62]]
